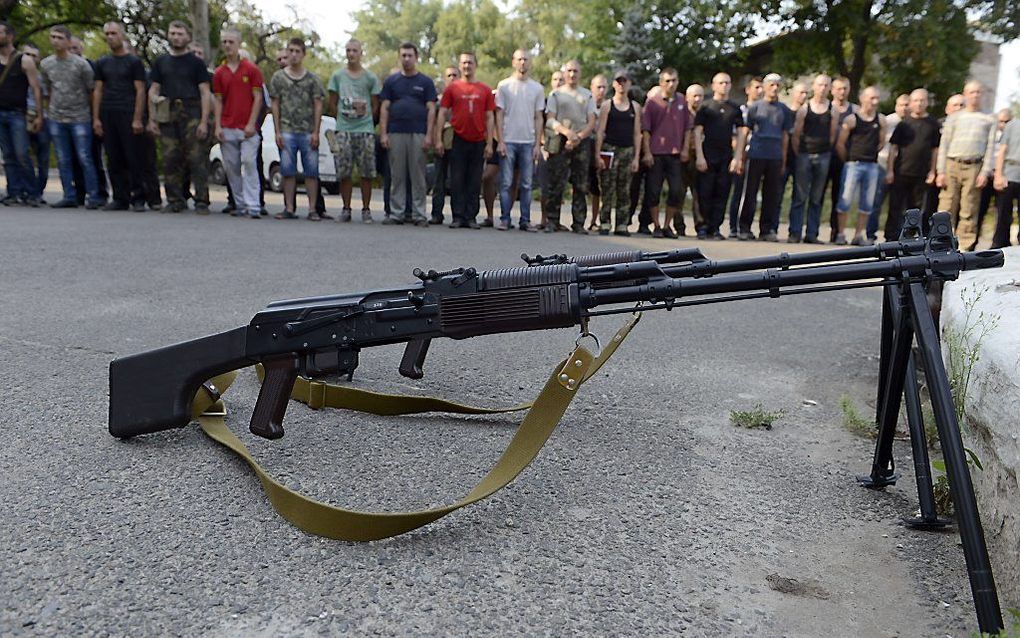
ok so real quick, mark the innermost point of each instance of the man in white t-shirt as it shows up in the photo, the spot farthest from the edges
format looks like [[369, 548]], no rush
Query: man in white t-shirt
[[520, 101]]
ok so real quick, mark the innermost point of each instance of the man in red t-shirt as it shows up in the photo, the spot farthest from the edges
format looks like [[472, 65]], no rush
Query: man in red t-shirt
[[237, 85], [473, 117]]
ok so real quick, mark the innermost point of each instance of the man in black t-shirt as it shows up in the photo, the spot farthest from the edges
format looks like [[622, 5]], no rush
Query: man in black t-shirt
[[117, 104], [716, 124], [179, 113], [913, 150]]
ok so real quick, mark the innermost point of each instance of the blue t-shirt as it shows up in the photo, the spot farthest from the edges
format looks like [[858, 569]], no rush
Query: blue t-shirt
[[408, 97], [768, 121]]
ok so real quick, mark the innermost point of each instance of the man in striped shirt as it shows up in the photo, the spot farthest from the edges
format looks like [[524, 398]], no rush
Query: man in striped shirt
[[965, 163]]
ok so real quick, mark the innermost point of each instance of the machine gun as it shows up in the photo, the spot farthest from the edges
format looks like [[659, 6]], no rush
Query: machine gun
[[153, 391]]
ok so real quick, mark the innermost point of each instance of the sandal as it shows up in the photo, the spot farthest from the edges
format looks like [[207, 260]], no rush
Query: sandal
[[285, 215]]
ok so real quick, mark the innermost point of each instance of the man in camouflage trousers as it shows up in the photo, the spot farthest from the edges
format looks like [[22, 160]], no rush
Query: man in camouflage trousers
[[570, 116], [179, 103]]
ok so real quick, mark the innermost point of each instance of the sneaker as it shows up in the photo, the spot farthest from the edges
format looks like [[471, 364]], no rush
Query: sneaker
[[345, 215], [604, 231], [549, 228], [366, 216], [472, 224], [262, 211], [668, 233], [793, 239], [621, 231], [657, 233], [840, 239], [643, 230], [436, 221], [12, 200], [422, 223], [140, 208], [681, 231], [93, 205], [201, 209], [171, 208], [455, 224], [502, 226], [390, 220], [561, 228], [769, 236], [312, 217], [579, 229], [702, 234], [528, 228], [228, 210], [717, 236], [812, 240], [32, 202], [745, 235], [861, 240], [486, 223]]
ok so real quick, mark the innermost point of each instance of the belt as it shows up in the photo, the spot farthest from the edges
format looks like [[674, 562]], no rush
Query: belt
[[314, 517], [967, 160]]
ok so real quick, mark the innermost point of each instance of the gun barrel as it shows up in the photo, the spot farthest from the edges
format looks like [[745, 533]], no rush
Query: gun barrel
[[669, 288]]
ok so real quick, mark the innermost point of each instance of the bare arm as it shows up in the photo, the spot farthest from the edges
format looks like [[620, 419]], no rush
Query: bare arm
[[1000, 162], [316, 122], [600, 130], [375, 107], [441, 116], [218, 116], [32, 73], [274, 106], [490, 126], [798, 125], [429, 125], [890, 175], [844, 133], [97, 102], [136, 117], [256, 108], [331, 104], [638, 113], [384, 121], [207, 101]]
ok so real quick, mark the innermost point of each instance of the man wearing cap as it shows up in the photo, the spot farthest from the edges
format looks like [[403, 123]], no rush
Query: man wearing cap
[[771, 123], [667, 127]]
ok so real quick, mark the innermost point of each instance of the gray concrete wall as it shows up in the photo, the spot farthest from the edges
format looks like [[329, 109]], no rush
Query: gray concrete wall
[[992, 422]]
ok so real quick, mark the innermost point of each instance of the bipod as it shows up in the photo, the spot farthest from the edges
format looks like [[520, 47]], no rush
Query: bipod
[[906, 319]]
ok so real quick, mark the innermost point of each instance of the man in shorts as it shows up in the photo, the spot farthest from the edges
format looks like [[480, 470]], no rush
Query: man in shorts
[[297, 112], [354, 98]]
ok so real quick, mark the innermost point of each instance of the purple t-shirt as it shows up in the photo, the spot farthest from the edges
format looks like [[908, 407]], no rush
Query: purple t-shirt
[[666, 123]]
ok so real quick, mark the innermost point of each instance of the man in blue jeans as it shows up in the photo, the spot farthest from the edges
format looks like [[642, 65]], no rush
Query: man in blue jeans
[[520, 101], [69, 80], [814, 132], [860, 138], [18, 75], [297, 112]]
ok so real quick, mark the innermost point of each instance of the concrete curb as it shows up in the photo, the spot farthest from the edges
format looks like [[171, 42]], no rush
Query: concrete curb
[[992, 421]]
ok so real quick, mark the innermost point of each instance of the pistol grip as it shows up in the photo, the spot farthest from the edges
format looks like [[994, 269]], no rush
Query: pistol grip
[[414, 358], [267, 418]]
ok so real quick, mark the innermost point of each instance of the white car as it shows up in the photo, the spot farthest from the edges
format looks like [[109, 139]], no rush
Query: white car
[[271, 159]]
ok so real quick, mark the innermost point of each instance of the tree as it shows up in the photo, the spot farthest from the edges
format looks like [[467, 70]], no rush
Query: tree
[[30, 18], [866, 39], [384, 24]]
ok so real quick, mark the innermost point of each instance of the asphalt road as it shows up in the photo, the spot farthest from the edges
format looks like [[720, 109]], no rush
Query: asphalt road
[[647, 513]]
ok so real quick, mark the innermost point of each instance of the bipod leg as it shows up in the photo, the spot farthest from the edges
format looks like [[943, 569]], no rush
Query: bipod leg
[[883, 467], [929, 518], [979, 569], [890, 297]]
